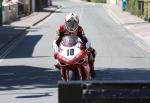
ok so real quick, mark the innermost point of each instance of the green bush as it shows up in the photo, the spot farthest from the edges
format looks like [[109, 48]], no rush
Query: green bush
[[133, 7]]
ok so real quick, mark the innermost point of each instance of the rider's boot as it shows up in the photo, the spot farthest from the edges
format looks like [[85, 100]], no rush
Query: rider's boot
[[91, 60], [57, 66], [92, 71]]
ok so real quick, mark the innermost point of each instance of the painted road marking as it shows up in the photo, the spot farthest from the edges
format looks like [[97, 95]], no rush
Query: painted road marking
[[112, 15]]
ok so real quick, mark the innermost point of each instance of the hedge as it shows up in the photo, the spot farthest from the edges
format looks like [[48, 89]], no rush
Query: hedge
[[138, 8]]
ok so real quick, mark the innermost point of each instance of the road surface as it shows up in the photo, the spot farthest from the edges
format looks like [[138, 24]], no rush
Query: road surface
[[28, 75]]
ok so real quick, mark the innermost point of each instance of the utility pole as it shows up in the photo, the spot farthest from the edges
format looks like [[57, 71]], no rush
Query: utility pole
[[1, 12]]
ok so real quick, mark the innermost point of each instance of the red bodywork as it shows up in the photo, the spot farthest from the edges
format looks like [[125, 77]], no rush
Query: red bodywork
[[78, 63]]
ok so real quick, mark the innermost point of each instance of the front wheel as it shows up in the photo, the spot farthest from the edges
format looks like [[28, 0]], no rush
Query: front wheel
[[72, 75], [76, 75]]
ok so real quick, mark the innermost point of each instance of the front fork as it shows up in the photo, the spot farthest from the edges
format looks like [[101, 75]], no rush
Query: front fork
[[80, 70]]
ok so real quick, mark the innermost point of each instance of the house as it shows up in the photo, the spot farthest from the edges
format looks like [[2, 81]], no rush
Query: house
[[13, 9]]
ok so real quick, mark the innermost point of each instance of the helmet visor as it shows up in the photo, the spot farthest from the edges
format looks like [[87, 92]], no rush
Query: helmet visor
[[70, 41], [71, 25]]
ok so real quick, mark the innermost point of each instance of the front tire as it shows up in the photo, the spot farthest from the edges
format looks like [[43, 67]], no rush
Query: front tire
[[72, 75]]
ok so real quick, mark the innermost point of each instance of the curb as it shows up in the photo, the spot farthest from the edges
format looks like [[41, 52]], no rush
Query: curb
[[115, 18], [137, 36], [41, 20]]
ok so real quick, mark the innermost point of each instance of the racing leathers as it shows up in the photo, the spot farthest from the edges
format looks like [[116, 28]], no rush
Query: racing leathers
[[61, 32]]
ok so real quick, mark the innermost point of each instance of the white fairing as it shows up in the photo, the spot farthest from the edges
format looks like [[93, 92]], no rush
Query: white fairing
[[70, 52], [55, 47]]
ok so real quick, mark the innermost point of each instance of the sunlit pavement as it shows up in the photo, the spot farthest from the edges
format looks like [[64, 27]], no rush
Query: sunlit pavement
[[28, 75]]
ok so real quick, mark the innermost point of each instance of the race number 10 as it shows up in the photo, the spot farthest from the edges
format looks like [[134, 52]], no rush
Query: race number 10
[[70, 52]]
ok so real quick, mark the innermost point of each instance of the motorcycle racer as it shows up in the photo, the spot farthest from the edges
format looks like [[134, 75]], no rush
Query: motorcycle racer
[[72, 27]]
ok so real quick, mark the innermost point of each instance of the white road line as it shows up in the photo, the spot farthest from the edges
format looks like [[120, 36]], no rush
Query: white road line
[[112, 15]]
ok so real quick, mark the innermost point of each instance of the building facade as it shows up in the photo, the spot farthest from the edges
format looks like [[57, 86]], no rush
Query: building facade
[[10, 10], [14, 9]]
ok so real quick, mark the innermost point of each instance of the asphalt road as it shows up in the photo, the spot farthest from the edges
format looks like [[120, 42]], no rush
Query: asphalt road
[[28, 76]]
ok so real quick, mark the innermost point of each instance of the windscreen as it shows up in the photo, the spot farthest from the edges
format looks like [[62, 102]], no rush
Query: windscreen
[[69, 41]]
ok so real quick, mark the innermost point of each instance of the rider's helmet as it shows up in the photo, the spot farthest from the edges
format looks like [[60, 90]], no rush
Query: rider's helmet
[[72, 22]]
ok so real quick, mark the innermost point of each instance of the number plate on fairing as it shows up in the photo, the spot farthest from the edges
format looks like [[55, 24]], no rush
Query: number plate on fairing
[[70, 52]]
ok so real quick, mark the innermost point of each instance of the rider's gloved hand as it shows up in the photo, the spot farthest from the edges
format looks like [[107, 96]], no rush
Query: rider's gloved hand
[[55, 54], [83, 47]]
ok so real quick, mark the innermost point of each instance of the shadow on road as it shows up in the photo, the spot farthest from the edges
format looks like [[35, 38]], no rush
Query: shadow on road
[[27, 77], [9, 34], [123, 74], [35, 95], [26, 48]]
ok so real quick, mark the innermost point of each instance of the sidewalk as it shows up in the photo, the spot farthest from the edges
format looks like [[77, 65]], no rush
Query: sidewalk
[[135, 25], [30, 20], [10, 33], [34, 18]]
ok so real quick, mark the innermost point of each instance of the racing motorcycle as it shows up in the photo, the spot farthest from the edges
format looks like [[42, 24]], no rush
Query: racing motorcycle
[[72, 59]]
